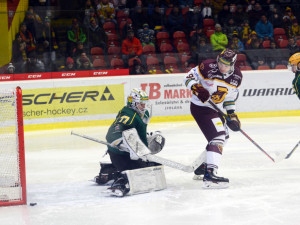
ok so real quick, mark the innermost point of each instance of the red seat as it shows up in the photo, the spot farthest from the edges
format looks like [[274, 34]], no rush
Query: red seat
[[241, 60], [152, 60], [124, 22], [185, 10], [112, 37], [178, 34], [184, 58], [183, 48], [279, 38], [99, 64], [263, 68], [117, 63], [170, 60], [109, 27], [162, 37], [298, 42], [280, 67], [166, 48], [192, 33], [97, 52], [209, 33], [278, 31], [198, 2], [149, 50], [208, 22], [113, 52], [245, 68], [283, 43], [122, 14], [266, 44], [179, 40]]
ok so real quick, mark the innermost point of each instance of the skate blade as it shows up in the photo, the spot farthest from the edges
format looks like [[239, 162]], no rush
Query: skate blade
[[114, 192], [212, 185], [198, 177]]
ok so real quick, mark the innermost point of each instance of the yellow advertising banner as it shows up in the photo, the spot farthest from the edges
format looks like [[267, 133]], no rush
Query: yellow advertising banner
[[72, 101]]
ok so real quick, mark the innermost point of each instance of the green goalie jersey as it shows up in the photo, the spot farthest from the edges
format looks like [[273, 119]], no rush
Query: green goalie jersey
[[127, 118], [296, 84]]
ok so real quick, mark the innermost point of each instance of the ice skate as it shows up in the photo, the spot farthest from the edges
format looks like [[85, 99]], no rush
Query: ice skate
[[199, 172], [107, 174], [119, 188], [211, 181]]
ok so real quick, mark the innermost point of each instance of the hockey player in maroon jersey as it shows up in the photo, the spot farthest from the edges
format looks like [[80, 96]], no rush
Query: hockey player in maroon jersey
[[219, 81]]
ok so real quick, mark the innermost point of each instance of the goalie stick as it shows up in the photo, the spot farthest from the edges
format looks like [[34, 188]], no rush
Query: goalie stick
[[154, 158], [289, 155], [250, 139]]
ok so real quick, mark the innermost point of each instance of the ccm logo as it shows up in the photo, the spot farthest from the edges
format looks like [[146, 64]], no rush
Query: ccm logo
[[68, 74], [100, 73], [5, 78], [35, 76]]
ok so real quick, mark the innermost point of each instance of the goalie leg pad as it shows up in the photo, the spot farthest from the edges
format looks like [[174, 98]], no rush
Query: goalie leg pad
[[146, 179]]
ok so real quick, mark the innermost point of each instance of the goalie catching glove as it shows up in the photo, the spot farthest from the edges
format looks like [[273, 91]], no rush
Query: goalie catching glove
[[156, 141], [233, 122], [200, 92]]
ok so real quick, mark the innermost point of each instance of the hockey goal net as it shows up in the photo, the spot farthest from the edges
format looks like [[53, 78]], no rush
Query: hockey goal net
[[12, 155]]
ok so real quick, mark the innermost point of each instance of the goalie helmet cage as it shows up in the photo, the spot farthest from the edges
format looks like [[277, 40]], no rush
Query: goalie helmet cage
[[12, 153]]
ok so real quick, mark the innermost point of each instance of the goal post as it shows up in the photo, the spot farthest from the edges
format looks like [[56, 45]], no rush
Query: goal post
[[12, 150]]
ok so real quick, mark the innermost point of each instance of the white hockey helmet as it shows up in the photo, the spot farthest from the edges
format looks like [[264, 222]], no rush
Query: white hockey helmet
[[138, 100]]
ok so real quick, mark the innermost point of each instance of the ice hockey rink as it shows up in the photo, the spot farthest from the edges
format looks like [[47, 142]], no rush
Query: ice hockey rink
[[59, 167]]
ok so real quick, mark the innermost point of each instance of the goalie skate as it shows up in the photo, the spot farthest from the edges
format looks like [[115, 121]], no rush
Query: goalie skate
[[119, 188], [211, 181]]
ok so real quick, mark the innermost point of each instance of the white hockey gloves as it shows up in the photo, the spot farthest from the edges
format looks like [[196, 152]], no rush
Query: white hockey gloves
[[156, 141]]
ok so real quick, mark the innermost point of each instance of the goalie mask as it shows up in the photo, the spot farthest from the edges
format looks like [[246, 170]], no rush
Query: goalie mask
[[226, 60], [139, 101], [294, 61]]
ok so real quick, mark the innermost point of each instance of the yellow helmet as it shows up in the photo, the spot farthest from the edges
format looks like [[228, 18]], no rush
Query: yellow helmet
[[294, 60]]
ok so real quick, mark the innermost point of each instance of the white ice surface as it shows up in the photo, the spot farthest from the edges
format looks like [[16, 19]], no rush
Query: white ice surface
[[59, 167]]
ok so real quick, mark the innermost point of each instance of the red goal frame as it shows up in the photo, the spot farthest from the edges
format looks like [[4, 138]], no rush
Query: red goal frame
[[20, 134]]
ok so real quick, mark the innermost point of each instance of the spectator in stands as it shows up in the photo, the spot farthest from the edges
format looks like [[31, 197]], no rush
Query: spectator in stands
[[294, 30], [137, 68], [175, 21], [218, 40], [28, 38], [251, 5], [186, 3], [91, 15], [288, 17], [75, 34], [200, 53], [86, 11], [33, 64], [31, 24], [157, 19], [48, 45], [36, 17], [19, 53], [245, 31], [132, 47], [195, 39], [106, 12], [96, 36], [275, 17], [230, 27], [217, 6], [240, 16], [255, 15], [70, 66], [82, 58], [292, 46], [252, 40], [261, 61], [85, 64], [78, 50], [224, 14], [139, 18], [264, 29], [146, 35], [236, 44], [10, 69], [194, 19], [206, 9], [119, 4]]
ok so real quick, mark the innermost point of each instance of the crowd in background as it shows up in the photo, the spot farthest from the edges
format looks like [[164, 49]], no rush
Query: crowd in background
[[154, 36]]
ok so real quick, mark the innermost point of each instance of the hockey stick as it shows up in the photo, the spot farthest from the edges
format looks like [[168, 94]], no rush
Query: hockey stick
[[250, 139], [154, 158], [288, 155]]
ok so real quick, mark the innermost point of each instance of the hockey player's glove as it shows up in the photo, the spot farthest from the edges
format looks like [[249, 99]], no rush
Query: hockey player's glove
[[200, 92], [233, 122], [156, 141]]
